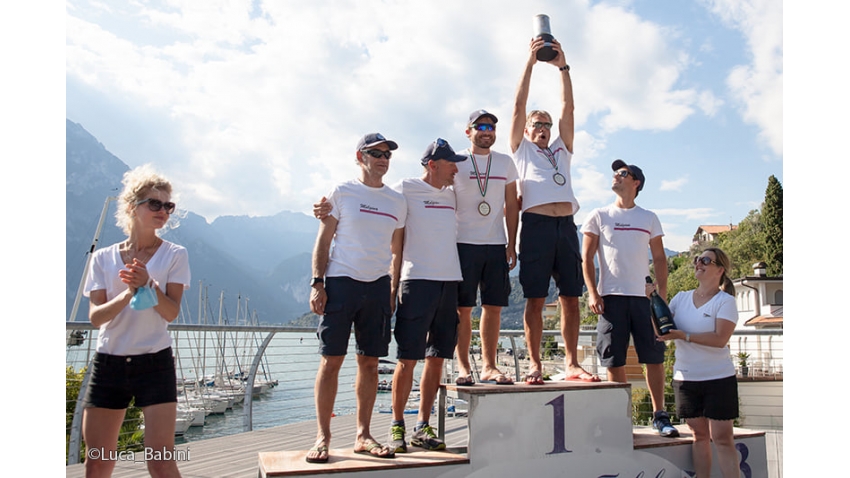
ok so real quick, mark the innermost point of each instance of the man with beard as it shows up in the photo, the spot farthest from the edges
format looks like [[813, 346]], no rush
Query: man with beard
[[486, 202]]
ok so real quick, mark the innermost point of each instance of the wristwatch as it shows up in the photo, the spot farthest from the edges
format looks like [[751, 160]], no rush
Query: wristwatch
[[317, 280]]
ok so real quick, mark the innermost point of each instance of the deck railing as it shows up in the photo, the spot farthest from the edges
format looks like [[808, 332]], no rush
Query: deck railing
[[265, 375]]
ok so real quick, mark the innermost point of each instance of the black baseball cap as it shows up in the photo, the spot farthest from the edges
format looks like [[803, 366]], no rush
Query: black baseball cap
[[440, 149], [477, 114]]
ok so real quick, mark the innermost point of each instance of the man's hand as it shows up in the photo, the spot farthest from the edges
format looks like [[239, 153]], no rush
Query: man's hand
[[596, 304], [318, 299], [510, 256], [322, 208]]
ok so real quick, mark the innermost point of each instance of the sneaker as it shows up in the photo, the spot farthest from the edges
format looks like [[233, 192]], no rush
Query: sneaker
[[427, 439], [661, 422], [396, 439]]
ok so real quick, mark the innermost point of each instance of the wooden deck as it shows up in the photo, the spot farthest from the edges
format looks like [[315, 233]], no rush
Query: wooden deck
[[237, 455]]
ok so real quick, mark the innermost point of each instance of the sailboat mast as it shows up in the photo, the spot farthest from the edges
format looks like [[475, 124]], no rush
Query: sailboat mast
[[79, 296]]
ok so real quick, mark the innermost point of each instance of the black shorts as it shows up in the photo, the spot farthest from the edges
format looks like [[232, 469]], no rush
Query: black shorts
[[116, 379], [426, 319], [549, 247], [484, 266], [713, 399], [627, 316], [366, 305]]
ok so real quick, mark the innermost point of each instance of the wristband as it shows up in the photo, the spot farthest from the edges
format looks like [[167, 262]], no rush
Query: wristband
[[564, 68]]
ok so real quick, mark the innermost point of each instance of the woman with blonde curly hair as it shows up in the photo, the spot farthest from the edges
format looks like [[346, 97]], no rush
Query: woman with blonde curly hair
[[704, 376], [134, 289]]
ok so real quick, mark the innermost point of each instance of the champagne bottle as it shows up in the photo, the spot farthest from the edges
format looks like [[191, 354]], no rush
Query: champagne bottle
[[661, 314]]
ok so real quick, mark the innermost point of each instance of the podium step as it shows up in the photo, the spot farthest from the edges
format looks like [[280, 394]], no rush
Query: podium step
[[344, 460]]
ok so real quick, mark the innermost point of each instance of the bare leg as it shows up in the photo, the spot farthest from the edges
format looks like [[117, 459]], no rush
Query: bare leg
[[701, 448], [722, 434], [100, 432], [327, 380], [533, 323], [491, 323], [655, 379], [366, 389], [617, 374], [402, 383], [159, 437], [464, 337], [428, 386], [570, 321]]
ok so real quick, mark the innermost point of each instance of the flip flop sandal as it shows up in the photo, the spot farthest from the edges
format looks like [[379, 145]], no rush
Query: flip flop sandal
[[372, 446], [319, 458], [464, 380]]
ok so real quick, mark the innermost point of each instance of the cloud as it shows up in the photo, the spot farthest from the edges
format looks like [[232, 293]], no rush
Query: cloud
[[758, 86], [268, 99], [673, 185]]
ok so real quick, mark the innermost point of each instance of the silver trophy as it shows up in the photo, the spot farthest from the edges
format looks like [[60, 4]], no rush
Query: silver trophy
[[542, 30]]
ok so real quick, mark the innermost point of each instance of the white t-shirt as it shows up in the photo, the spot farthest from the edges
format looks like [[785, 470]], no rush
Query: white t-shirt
[[430, 232], [536, 183], [367, 218], [134, 332], [697, 362], [623, 250], [472, 227]]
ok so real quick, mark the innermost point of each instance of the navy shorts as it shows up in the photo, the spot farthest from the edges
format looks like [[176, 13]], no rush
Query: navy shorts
[[549, 247], [484, 266], [713, 399], [426, 319], [627, 316], [366, 305], [116, 379]]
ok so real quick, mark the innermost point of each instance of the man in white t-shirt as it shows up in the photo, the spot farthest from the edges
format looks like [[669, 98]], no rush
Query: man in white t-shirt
[[620, 235], [486, 193], [351, 285], [426, 275], [549, 246]]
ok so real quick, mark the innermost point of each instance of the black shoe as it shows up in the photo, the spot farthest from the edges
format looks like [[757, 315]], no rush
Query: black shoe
[[661, 422]]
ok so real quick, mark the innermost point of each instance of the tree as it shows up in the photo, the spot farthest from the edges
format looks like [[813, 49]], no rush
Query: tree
[[771, 219]]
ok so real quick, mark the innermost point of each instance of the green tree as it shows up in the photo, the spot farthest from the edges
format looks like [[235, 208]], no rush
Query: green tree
[[771, 220], [745, 245]]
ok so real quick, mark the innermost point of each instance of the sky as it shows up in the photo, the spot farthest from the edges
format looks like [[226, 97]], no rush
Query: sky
[[255, 107]]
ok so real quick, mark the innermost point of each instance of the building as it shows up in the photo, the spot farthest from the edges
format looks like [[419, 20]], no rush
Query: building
[[759, 300], [709, 233]]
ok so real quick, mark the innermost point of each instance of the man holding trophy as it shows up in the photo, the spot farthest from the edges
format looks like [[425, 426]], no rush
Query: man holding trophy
[[549, 245]]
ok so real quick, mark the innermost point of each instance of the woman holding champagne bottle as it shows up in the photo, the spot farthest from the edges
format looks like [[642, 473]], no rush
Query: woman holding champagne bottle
[[704, 375]]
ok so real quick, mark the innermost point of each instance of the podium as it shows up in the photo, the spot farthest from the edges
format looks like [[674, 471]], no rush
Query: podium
[[530, 431]]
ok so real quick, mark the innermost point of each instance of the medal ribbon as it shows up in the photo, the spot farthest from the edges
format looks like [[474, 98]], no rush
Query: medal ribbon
[[482, 187], [553, 160]]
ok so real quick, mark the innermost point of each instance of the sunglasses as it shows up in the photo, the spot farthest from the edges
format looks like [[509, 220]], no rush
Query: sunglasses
[[155, 205], [377, 153], [622, 173], [484, 127], [704, 260], [538, 125]]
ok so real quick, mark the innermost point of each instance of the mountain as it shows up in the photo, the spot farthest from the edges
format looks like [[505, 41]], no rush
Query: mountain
[[264, 260]]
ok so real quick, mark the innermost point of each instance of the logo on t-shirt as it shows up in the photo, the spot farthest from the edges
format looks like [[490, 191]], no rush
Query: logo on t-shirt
[[365, 208], [619, 226], [435, 205]]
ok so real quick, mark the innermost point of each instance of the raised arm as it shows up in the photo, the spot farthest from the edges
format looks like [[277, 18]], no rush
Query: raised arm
[[518, 118], [566, 124]]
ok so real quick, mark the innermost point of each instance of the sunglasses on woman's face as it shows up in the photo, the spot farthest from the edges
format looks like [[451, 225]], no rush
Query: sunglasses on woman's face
[[155, 205], [704, 260]]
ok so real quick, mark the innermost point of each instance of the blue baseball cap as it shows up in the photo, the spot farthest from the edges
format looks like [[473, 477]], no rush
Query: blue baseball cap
[[373, 139], [636, 171], [440, 149], [478, 114]]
